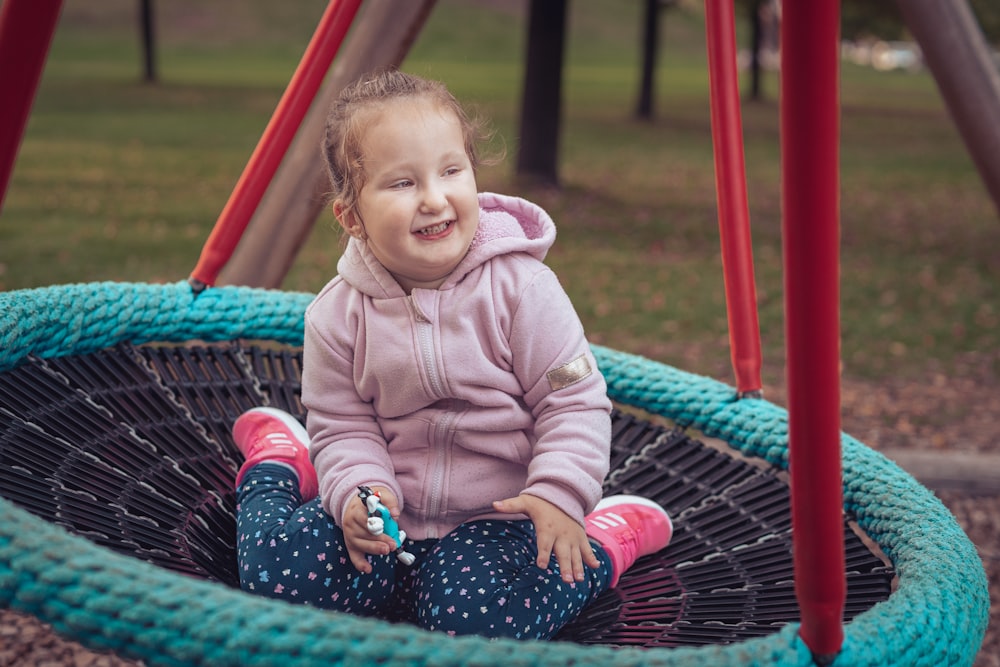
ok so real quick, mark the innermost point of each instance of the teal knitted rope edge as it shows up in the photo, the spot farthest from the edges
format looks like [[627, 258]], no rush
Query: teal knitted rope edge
[[75, 319], [938, 614]]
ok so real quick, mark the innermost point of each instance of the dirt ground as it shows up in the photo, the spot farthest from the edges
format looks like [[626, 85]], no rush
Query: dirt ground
[[944, 413]]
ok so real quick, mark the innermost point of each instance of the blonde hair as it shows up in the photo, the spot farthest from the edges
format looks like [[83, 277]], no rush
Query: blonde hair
[[351, 115]]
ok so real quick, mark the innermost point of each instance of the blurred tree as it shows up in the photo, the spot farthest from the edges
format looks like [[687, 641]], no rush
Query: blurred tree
[[756, 45], [650, 30], [764, 19], [541, 102], [148, 38], [650, 49]]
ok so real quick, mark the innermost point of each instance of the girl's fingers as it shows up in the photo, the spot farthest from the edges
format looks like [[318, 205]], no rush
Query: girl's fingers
[[359, 560], [544, 551], [569, 563], [577, 566], [589, 557], [360, 547]]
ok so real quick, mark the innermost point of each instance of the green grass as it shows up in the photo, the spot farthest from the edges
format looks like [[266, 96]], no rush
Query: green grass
[[119, 180]]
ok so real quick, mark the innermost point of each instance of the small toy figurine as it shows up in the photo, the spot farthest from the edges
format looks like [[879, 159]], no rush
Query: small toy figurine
[[380, 521]]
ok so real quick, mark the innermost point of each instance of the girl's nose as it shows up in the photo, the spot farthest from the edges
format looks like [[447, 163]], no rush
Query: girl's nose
[[433, 198]]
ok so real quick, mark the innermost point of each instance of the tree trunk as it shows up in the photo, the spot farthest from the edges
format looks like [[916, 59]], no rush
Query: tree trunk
[[146, 27], [756, 44], [650, 48], [538, 149]]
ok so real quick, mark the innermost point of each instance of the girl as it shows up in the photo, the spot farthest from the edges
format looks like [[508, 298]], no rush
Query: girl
[[445, 369]]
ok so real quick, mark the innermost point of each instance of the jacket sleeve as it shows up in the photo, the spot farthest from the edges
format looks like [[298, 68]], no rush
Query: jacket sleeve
[[567, 396], [346, 444]]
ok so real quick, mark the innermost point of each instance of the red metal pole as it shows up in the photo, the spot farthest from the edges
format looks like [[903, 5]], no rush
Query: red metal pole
[[26, 30], [731, 194], [274, 142], [810, 135]]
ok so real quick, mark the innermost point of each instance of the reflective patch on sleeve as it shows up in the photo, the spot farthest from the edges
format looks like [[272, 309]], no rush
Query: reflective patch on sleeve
[[569, 373]]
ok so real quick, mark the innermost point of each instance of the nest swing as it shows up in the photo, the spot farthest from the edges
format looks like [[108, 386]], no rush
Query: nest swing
[[117, 468]]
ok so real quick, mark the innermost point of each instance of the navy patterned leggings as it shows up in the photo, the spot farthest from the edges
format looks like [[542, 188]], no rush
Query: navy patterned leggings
[[479, 579]]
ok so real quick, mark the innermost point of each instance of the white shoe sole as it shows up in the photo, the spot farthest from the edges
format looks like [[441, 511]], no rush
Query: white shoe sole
[[625, 499], [289, 421]]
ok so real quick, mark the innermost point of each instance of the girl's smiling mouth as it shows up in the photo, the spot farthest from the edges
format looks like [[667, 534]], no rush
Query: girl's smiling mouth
[[435, 230]]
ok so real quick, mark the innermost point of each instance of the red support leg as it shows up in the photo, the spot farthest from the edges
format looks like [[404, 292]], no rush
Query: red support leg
[[731, 192], [275, 141], [810, 135], [26, 30]]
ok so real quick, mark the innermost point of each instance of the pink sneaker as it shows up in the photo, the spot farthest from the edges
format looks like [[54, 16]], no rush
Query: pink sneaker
[[272, 435], [628, 527]]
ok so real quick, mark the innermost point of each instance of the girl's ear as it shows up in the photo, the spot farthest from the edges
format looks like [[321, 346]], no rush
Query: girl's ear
[[338, 211], [349, 220]]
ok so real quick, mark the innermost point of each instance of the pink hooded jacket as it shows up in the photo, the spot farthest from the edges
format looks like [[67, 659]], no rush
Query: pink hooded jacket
[[453, 398]]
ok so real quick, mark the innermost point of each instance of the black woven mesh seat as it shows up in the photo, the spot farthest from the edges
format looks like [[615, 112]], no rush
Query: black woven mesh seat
[[130, 447]]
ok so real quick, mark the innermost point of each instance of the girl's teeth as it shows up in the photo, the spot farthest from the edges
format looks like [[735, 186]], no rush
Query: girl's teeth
[[436, 229]]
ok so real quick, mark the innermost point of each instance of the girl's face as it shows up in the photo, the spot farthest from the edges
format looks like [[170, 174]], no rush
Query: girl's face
[[419, 208]]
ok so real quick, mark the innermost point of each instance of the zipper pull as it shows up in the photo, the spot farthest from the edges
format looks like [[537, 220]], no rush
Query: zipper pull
[[418, 313]]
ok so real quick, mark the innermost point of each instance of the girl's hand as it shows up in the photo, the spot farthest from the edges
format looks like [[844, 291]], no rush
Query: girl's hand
[[557, 534], [359, 541]]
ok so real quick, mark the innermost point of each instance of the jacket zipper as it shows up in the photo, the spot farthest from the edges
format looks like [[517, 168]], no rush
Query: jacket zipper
[[425, 338], [440, 463]]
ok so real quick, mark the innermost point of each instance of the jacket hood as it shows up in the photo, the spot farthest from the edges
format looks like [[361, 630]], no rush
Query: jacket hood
[[506, 225]]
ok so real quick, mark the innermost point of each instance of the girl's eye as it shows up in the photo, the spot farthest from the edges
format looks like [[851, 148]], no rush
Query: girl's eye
[[451, 171], [400, 184]]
